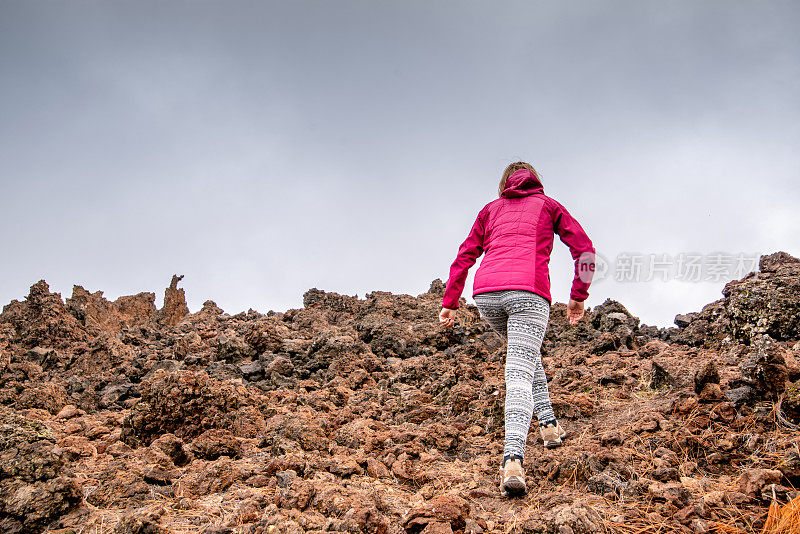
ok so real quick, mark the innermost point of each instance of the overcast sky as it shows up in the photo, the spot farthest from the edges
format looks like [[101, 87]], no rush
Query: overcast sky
[[264, 148]]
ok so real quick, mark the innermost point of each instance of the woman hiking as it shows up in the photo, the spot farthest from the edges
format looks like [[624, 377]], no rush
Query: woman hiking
[[512, 292]]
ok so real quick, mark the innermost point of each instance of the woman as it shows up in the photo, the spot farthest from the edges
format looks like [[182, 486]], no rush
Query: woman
[[512, 292]]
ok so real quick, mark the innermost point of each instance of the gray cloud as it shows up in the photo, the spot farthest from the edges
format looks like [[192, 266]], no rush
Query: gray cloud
[[262, 148]]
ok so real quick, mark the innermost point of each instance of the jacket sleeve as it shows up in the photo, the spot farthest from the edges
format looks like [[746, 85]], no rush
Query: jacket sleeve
[[580, 246], [469, 251]]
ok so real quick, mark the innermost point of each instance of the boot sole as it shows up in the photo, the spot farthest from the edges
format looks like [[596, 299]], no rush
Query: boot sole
[[513, 485], [553, 443]]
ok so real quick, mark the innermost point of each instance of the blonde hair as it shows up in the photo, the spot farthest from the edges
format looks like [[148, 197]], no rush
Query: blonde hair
[[511, 169]]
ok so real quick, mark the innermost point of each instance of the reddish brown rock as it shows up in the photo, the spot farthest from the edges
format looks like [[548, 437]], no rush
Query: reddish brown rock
[[186, 404], [43, 320], [437, 527], [175, 308], [577, 518], [752, 481], [120, 483], [765, 367], [207, 478], [449, 509], [35, 485], [98, 314], [214, 443], [376, 468], [673, 492]]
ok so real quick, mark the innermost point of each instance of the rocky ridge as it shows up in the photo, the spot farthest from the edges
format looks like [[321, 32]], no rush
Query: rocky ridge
[[363, 415]]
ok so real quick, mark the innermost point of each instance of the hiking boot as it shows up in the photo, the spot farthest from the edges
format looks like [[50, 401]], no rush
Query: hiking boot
[[512, 477], [552, 434]]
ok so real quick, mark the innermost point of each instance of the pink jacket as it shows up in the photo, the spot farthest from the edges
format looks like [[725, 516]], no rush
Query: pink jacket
[[516, 233]]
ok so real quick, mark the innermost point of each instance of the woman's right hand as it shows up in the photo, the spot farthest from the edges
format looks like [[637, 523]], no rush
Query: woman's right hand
[[574, 311], [447, 317]]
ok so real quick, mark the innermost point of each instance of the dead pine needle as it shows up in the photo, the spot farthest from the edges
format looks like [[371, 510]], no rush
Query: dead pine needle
[[783, 519]]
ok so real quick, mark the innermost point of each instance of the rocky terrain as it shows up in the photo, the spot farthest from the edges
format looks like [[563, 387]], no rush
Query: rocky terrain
[[363, 415]]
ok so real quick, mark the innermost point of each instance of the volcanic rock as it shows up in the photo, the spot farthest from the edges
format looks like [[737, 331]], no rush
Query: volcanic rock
[[364, 415]]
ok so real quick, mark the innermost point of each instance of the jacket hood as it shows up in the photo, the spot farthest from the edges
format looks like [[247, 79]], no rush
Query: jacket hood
[[522, 183]]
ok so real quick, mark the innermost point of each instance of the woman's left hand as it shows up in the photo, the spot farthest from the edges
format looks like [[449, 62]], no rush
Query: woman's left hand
[[574, 311], [447, 317]]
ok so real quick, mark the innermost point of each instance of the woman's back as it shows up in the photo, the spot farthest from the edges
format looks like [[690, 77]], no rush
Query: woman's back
[[516, 233]]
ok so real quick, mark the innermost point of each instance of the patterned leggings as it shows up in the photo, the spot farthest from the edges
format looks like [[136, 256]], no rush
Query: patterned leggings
[[520, 317]]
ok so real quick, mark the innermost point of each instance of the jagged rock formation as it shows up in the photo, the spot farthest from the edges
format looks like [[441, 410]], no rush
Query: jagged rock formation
[[363, 415], [764, 302], [97, 314], [175, 307]]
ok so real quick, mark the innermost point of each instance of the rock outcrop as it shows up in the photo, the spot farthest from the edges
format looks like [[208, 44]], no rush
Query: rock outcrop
[[175, 307], [35, 486], [766, 302]]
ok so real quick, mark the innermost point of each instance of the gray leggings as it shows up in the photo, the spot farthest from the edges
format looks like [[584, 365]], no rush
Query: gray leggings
[[520, 317]]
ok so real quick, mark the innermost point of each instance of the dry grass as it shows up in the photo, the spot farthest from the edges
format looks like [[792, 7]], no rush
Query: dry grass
[[745, 440], [783, 519]]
